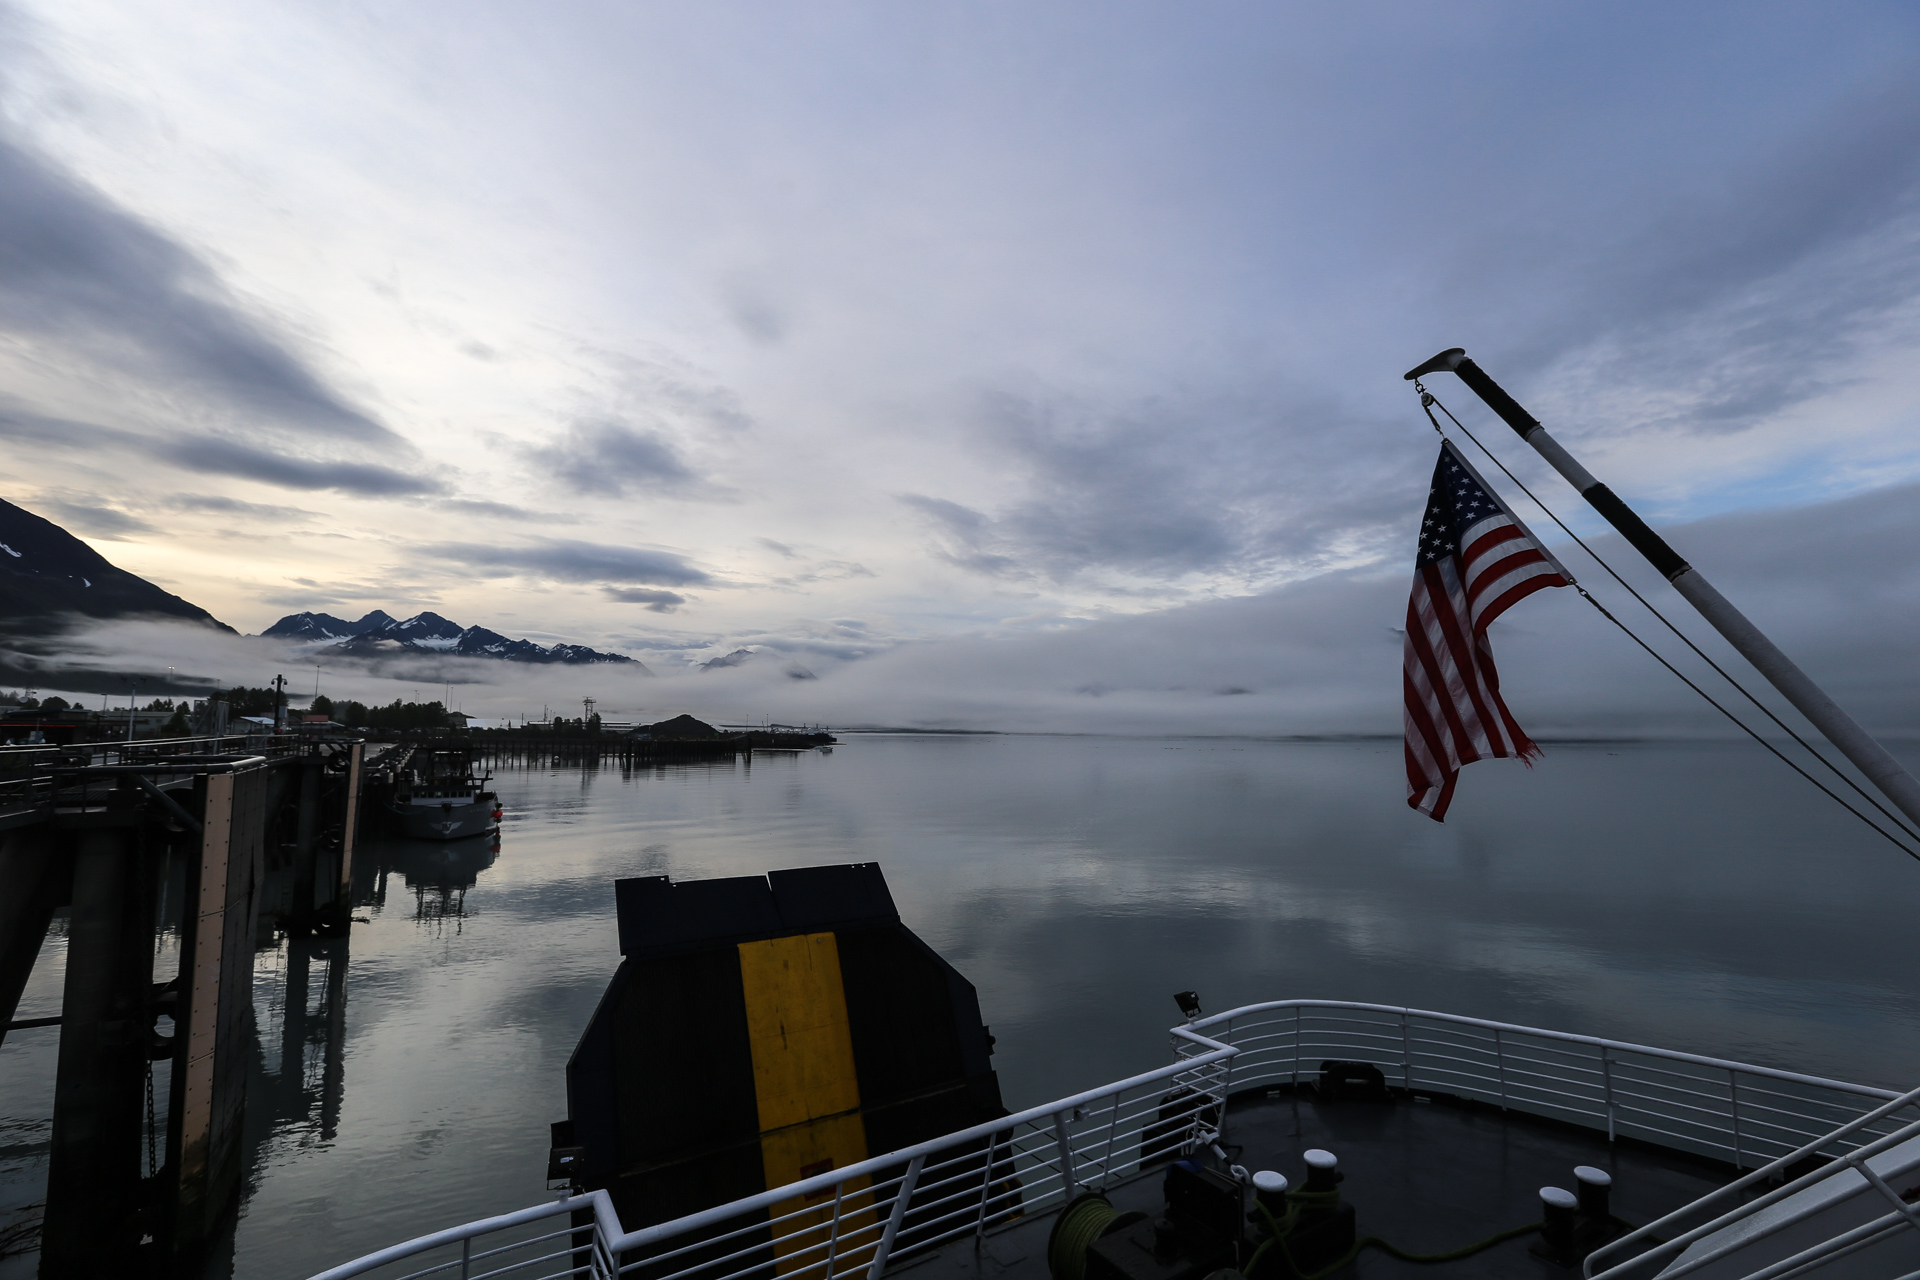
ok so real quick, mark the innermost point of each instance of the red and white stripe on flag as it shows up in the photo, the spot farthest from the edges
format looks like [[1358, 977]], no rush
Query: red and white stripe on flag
[[1476, 561]]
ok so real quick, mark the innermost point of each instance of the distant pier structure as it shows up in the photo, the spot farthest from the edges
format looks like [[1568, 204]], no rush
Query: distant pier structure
[[627, 750], [216, 841]]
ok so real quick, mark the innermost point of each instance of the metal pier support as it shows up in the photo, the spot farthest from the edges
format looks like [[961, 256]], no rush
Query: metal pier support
[[93, 1222], [36, 883], [306, 851], [105, 834]]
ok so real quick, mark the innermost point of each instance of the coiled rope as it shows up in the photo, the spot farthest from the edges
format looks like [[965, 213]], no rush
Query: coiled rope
[[1299, 1201], [1078, 1226]]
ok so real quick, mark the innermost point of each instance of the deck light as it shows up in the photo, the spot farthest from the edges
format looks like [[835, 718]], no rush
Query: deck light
[[1189, 1002]]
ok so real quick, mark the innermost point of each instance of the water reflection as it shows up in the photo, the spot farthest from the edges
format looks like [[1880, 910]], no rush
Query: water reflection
[[438, 873], [1677, 894], [294, 1094]]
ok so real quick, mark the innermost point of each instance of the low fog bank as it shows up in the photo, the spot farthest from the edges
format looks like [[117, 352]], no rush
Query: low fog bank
[[1836, 584]]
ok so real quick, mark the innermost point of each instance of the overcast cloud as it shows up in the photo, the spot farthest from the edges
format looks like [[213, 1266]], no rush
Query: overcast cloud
[[1025, 364]]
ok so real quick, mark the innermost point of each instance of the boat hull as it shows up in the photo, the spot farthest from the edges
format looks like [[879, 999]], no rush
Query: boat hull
[[445, 821]]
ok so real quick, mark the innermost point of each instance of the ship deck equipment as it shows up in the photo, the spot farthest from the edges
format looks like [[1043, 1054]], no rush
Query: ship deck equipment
[[1446, 1131]]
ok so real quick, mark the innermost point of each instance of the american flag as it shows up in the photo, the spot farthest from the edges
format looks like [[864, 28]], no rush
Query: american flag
[[1476, 561]]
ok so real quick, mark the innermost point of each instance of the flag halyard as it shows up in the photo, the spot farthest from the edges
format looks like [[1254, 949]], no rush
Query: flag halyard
[[1475, 561]]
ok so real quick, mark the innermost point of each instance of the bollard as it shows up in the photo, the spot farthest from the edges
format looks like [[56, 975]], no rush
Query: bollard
[[1270, 1189], [1556, 1219], [1595, 1187]]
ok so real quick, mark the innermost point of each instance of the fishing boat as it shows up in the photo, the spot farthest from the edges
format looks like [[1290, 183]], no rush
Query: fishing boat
[[782, 1083], [437, 796]]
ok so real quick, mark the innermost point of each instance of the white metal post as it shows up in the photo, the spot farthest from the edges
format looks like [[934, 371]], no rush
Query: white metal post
[[1606, 1083], [1226, 1079], [833, 1236], [893, 1220], [1733, 1106], [1113, 1131], [1500, 1065], [1406, 1051], [1867, 1171], [986, 1193], [1296, 1047], [1069, 1185]]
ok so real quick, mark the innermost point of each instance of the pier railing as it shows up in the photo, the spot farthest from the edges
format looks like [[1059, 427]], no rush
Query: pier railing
[[854, 1222], [30, 776]]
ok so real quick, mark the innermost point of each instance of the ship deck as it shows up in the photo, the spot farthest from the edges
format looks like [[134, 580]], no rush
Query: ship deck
[[1427, 1174]]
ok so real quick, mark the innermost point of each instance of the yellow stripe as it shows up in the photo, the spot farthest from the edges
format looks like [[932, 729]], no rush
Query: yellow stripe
[[797, 1023], [807, 1089]]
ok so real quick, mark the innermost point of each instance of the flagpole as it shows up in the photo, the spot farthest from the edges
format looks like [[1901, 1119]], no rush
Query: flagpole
[[1855, 743]]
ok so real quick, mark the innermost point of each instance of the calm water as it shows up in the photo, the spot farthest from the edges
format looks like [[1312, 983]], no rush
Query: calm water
[[1693, 896]]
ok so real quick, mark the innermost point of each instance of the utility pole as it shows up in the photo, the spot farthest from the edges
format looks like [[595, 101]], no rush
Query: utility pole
[[279, 704], [132, 695]]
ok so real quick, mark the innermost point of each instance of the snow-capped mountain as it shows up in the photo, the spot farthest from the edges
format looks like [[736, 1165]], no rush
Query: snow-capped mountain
[[380, 634], [324, 626], [427, 631], [46, 572]]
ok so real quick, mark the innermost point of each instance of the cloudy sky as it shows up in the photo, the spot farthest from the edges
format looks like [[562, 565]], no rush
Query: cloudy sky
[[936, 338]]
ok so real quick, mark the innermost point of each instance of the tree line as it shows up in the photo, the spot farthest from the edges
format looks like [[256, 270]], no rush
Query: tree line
[[395, 715]]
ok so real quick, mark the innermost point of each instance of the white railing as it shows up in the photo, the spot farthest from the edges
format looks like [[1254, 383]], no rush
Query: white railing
[[1731, 1111], [853, 1221], [1716, 1240], [856, 1220]]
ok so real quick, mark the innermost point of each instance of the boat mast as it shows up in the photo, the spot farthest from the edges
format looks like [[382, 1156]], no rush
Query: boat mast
[[1855, 743]]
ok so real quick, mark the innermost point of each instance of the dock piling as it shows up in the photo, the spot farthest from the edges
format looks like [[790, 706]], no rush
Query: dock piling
[[93, 1218]]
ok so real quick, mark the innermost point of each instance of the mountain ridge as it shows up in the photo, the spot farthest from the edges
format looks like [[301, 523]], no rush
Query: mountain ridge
[[380, 634], [324, 626], [46, 572]]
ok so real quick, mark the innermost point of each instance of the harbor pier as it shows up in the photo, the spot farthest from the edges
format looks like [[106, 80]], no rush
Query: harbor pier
[[215, 843], [626, 750]]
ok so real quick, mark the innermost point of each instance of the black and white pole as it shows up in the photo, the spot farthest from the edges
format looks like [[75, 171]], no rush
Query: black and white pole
[[1840, 729]]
